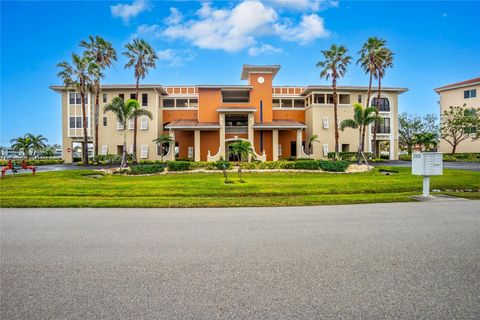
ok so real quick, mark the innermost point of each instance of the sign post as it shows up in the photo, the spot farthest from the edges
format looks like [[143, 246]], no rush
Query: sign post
[[427, 164]]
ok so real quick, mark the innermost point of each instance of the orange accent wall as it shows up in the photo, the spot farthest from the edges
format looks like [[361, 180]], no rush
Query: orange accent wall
[[185, 139], [267, 143], [261, 92], [297, 115], [170, 115], [209, 140]]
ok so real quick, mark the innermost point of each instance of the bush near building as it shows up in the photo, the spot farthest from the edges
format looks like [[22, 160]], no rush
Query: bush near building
[[146, 169], [349, 156], [37, 162]]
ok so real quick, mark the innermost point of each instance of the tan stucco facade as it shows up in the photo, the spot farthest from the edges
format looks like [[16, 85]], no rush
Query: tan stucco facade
[[277, 120], [454, 95]]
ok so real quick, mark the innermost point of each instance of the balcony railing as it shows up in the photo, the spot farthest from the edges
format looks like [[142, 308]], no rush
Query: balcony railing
[[384, 130]]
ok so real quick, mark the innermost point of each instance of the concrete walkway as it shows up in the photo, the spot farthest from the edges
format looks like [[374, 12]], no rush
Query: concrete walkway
[[378, 261]]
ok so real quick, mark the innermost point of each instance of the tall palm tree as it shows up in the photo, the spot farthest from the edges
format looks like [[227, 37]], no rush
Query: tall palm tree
[[103, 53], [369, 60], [141, 57], [334, 66], [241, 148], [124, 111], [163, 140], [384, 61], [79, 75], [23, 144], [37, 142], [362, 118]]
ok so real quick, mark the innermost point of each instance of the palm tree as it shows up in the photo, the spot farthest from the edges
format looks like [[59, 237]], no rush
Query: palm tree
[[103, 53], [80, 76], [124, 111], [427, 140], [313, 139], [23, 144], [362, 118], [163, 140], [368, 60], [334, 65], [37, 142], [241, 148], [384, 61], [141, 57]]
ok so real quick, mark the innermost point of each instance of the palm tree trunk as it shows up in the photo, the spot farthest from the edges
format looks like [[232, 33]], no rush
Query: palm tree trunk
[[364, 131], [376, 125], [97, 107], [124, 151], [135, 127], [334, 86], [359, 152], [369, 92], [85, 137]]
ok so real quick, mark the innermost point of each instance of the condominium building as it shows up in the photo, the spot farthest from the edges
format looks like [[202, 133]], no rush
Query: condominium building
[[460, 94], [204, 120]]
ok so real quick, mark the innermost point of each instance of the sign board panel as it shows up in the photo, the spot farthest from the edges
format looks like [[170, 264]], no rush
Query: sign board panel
[[427, 163]]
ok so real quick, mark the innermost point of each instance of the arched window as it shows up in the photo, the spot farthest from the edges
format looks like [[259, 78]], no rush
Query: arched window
[[384, 104]]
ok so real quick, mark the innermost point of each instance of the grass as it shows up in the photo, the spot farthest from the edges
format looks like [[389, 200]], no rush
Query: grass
[[79, 189]]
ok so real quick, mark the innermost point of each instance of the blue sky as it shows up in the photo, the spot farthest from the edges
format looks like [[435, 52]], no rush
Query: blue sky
[[435, 43]]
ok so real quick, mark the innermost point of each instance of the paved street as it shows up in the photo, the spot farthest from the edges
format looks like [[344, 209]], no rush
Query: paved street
[[380, 261]]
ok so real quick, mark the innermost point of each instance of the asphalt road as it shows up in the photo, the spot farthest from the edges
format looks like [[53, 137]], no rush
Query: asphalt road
[[380, 261]]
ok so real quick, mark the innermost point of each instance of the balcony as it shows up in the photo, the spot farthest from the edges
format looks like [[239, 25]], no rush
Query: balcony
[[381, 130]]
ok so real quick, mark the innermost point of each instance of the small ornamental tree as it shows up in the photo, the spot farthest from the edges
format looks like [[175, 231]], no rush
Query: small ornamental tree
[[242, 148], [459, 124]]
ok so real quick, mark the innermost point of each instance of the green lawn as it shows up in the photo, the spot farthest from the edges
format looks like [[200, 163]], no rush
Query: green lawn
[[76, 189]]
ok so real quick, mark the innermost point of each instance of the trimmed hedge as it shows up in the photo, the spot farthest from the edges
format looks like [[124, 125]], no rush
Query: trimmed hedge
[[333, 166], [306, 165], [178, 165], [146, 169], [348, 156], [35, 162]]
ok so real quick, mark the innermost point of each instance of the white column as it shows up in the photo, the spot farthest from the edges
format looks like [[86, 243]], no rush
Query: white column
[[172, 145], [222, 135], [197, 145], [299, 143], [392, 147], [275, 144], [251, 122]]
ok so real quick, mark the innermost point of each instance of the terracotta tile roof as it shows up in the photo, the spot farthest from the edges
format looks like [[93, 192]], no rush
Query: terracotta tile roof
[[287, 124], [458, 84]]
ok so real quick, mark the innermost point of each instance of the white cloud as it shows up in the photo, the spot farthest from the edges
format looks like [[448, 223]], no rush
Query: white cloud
[[311, 27], [174, 57], [175, 17], [147, 31], [225, 29], [263, 49], [129, 11], [302, 5]]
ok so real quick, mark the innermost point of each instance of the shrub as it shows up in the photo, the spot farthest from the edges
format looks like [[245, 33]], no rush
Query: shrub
[[306, 165], [405, 157], [221, 163], [146, 169], [348, 156], [178, 165], [333, 166], [249, 165], [34, 162]]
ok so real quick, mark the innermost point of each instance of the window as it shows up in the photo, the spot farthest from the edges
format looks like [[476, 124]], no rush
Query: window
[[467, 94], [104, 121], [193, 103], [235, 96], [384, 126], [78, 99], [144, 99], [104, 149], [71, 98], [120, 126], [133, 96], [168, 103], [344, 98], [276, 103], [144, 123], [325, 150], [359, 98], [121, 96], [279, 150], [298, 103], [131, 124], [105, 97], [86, 98], [190, 152], [345, 147], [325, 123], [182, 103], [383, 106], [144, 151], [319, 98], [329, 98], [287, 103], [75, 122]]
